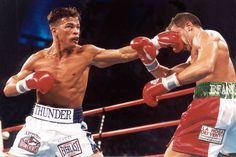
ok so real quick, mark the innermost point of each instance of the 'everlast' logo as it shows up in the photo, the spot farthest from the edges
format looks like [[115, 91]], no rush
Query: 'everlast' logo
[[70, 148], [52, 113]]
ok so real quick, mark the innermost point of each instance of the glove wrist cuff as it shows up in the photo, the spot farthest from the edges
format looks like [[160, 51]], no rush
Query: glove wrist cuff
[[152, 66], [21, 87], [155, 42], [171, 82]]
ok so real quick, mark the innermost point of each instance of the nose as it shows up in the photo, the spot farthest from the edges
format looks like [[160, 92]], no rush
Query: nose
[[76, 31]]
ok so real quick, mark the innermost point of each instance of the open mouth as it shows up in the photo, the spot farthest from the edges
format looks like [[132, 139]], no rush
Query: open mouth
[[75, 40]]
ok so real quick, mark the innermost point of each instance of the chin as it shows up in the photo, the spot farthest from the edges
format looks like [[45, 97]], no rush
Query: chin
[[188, 48], [72, 44], [178, 49], [175, 51]]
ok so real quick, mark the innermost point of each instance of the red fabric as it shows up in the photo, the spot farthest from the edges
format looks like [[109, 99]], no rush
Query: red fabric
[[202, 111]]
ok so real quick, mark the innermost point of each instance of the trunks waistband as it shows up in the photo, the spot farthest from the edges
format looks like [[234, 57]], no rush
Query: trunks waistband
[[226, 90], [57, 115]]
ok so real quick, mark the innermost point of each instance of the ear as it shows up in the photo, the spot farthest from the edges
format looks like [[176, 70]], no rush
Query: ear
[[189, 26], [53, 30]]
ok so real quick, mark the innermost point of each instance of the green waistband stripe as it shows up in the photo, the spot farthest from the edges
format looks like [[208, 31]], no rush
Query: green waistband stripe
[[226, 90]]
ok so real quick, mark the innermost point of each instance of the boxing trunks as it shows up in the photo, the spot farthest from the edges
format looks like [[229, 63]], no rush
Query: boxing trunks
[[51, 132], [209, 124]]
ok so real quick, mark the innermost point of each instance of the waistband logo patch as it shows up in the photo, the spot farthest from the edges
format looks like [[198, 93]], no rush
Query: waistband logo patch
[[52, 113], [211, 135], [222, 89], [70, 148], [29, 143]]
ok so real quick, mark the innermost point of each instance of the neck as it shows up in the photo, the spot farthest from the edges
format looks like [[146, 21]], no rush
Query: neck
[[195, 32], [60, 50]]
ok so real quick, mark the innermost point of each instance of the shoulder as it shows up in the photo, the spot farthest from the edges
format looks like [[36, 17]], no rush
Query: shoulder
[[215, 35], [92, 48], [211, 35], [33, 58], [204, 37], [38, 55]]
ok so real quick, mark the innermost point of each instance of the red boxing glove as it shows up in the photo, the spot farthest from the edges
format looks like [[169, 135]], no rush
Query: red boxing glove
[[158, 87], [40, 80], [168, 38], [146, 52]]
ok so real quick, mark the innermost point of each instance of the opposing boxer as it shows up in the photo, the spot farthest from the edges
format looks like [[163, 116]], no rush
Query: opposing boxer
[[208, 127], [59, 74]]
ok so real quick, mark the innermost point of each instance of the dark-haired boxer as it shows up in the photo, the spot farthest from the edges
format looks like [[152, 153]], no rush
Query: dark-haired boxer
[[60, 75], [208, 127]]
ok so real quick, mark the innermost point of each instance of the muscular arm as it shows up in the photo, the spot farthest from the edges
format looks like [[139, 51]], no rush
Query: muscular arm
[[163, 71], [205, 63], [10, 87], [110, 57]]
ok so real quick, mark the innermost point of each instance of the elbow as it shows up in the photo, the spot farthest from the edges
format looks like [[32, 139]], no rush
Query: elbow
[[208, 69], [6, 92]]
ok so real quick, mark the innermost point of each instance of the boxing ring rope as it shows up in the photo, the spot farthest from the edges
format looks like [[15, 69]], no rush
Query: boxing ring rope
[[119, 106], [136, 129], [138, 102]]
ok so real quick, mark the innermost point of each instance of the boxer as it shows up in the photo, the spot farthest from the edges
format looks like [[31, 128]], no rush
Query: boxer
[[208, 127], [59, 74]]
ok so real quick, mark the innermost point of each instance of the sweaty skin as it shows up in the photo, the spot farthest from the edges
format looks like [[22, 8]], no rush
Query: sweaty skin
[[210, 60], [69, 63]]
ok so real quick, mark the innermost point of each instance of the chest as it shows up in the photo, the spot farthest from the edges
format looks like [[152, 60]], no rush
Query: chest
[[64, 69]]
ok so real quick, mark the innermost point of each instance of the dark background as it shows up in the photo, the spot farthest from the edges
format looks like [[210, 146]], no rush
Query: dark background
[[108, 24]]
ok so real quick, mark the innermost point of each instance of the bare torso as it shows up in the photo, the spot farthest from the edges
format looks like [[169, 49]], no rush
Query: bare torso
[[71, 76], [223, 70]]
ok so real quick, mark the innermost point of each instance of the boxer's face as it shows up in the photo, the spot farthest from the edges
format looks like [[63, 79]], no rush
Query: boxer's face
[[181, 32], [67, 31], [184, 34]]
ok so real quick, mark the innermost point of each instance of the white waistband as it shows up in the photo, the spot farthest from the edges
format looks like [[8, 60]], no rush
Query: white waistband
[[58, 115]]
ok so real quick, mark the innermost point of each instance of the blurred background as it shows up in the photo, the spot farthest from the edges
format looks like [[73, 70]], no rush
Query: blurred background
[[108, 24]]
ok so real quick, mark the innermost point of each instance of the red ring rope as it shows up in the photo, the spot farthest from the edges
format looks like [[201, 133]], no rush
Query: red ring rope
[[13, 128], [136, 129], [119, 106], [138, 102]]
